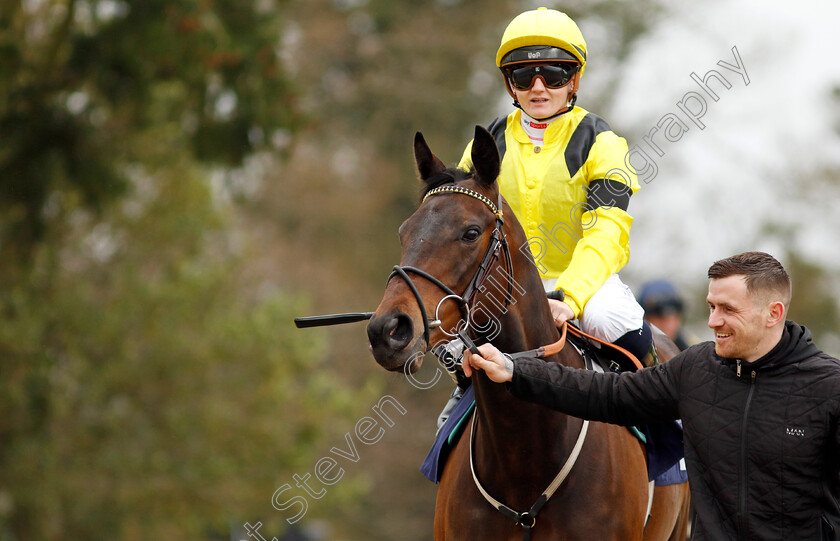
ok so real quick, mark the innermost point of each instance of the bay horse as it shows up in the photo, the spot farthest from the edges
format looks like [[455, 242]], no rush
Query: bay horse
[[452, 243]]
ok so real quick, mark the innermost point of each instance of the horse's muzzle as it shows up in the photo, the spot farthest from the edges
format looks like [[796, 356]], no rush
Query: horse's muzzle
[[392, 339]]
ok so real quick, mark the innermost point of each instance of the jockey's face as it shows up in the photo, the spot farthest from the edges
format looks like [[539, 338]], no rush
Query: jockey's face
[[540, 101]]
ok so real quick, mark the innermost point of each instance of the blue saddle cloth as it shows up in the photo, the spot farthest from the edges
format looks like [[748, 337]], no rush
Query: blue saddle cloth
[[674, 475], [664, 450], [664, 446], [445, 440]]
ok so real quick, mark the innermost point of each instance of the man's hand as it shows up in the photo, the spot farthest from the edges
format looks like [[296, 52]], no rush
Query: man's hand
[[560, 311], [499, 368]]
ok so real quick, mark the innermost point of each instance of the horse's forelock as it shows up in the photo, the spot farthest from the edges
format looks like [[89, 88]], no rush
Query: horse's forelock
[[453, 175]]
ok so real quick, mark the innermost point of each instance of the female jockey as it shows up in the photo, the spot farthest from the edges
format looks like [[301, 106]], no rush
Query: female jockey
[[564, 175]]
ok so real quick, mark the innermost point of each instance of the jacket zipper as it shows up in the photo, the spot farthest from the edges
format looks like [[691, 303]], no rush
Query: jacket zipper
[[742, 474]]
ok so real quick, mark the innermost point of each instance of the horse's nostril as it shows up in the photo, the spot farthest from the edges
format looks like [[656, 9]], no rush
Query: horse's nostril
[[390, 333], [399, 331]]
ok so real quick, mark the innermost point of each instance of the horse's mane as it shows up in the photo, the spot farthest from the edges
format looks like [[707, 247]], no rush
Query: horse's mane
[[452, 175]]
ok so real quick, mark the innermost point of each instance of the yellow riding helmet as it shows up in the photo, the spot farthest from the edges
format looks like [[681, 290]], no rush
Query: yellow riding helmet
[[546, 28]]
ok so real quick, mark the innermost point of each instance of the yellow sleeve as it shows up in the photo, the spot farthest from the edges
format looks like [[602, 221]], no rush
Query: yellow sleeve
[[604, 247], [607, 160], [602, 251]]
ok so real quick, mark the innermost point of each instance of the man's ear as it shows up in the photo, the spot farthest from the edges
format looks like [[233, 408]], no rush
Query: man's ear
[[776, 313]]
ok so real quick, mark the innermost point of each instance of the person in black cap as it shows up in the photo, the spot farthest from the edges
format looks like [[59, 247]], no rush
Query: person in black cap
[[664, 309]]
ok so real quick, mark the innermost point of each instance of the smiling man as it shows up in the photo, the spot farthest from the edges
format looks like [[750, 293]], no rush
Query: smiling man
[[748, 298], [760, 408]]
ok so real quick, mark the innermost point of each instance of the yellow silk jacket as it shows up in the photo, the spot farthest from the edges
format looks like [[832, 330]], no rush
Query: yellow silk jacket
[[570, 195]]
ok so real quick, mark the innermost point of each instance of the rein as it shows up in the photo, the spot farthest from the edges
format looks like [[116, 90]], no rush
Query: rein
[[545, 351], [626, 353]]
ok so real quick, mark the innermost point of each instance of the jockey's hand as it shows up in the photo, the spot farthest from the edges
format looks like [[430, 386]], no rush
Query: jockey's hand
[[498, 367], [560, 311]]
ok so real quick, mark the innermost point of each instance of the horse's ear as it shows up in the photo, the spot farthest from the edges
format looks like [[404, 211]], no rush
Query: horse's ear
[[427, 163], [485, 157]]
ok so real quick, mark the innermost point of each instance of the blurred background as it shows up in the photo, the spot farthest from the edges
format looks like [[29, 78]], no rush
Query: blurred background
[[181, 178]]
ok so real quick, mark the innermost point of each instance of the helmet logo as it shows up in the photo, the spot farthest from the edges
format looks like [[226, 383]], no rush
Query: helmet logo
[[533, 55]]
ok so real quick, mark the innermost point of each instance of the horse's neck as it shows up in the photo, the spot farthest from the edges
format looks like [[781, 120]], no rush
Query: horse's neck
[[506, 420], [526, 323]]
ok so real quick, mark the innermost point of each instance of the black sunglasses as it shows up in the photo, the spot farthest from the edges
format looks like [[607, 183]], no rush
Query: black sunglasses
[[553, 75]]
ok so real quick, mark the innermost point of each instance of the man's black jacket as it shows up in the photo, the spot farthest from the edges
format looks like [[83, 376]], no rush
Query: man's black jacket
[[761, 447]]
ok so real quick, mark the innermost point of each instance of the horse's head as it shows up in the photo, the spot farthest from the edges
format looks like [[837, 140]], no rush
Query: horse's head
[[443, 245]]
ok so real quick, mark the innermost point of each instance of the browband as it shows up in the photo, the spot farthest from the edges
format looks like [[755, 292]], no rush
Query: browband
[[451, 188]]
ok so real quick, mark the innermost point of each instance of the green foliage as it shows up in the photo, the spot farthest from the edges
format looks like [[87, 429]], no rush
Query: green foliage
[[147, 391], [79, 77], [152, 383]]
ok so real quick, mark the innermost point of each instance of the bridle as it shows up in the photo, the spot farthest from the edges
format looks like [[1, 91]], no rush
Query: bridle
[[498, 245]]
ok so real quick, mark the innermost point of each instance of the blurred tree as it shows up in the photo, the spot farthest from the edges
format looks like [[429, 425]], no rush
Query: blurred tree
[[147, 391], [78, 78], [814, 299], [152, 386]]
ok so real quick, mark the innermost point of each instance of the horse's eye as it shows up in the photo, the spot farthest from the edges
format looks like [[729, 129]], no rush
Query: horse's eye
[[471, 234]]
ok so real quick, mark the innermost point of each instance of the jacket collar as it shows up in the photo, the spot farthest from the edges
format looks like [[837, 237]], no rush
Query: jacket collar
[[795, 345], [555, 130]]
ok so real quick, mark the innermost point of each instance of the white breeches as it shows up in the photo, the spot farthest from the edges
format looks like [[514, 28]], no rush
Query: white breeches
[[611, 312]]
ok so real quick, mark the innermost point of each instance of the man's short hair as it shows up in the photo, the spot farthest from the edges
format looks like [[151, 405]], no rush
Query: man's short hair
[[762, 273]]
